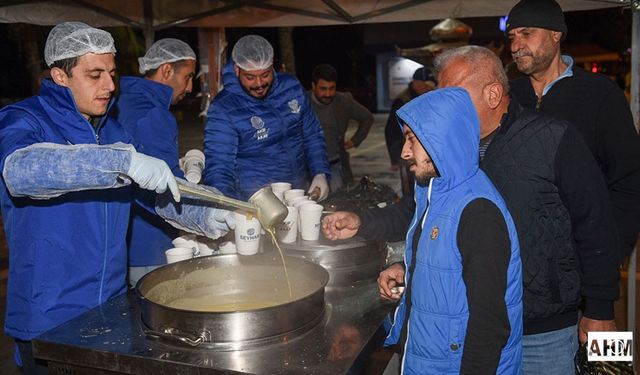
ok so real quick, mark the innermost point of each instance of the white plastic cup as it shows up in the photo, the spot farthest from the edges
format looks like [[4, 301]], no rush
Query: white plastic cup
[[287, 231], [292, 193], [299, 202], [206, 247], [279, 188], [187, 240], [227, 247], [310, 215], [193, 165], [176, 254], [247, 234], [292, 201]]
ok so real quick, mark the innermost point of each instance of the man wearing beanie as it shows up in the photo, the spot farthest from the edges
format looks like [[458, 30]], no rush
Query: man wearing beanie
[[598, 109]]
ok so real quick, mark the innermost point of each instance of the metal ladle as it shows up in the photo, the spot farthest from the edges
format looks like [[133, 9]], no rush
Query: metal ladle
[[268, 209]]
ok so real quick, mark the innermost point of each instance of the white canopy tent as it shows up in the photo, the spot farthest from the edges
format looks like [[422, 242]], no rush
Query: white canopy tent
[[154, 15]]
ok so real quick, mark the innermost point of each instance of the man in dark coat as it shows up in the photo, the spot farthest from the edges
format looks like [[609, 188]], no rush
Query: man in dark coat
[[559, 202], [591, 102]]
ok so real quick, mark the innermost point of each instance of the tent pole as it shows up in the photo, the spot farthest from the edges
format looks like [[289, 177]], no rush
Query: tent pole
[[149, 32], [635, 109]]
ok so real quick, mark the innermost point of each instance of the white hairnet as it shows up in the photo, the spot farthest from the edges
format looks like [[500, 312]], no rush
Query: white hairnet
[[252, 52], [74, 39], [163, 51]]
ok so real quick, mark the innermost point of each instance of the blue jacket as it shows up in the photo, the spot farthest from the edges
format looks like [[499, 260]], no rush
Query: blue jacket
[[249, 142], [67, 254], [446, 124], [143, 110]]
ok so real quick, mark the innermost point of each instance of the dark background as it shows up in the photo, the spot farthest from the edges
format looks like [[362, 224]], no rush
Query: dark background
[[350, 49]]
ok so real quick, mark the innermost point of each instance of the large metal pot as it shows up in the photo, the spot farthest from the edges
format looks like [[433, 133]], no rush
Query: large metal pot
[[219, 282], [347, 261]]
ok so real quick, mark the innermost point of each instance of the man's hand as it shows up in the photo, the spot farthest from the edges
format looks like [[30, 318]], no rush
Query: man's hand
[[340, 225], [348, 144], [152, 174], [592, 325], [320, 182], [389, 278]]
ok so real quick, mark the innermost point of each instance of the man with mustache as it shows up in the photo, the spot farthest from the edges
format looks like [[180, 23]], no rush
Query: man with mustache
[[67, 171], [558, 200], [334, 110], [143, 108], [591, 102], [261, 128]]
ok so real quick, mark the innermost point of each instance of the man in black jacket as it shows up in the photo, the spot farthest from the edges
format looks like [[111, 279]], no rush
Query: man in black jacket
[[591, 102], [557, 198]]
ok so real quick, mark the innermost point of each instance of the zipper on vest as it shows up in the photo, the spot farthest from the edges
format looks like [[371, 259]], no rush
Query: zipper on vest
[[538, 103]]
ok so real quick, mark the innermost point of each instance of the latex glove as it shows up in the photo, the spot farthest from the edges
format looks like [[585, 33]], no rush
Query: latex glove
[[223, 220], [319, 182], [152, 174]]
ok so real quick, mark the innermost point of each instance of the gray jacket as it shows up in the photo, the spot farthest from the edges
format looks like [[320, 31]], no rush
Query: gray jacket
[[334, 119]]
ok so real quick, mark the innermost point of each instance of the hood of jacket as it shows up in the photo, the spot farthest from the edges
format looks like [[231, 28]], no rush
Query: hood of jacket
[[446, 124], [159, 94]]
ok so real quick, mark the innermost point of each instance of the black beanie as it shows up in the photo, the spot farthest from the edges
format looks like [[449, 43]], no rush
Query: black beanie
[[424, 74], [545, 14]]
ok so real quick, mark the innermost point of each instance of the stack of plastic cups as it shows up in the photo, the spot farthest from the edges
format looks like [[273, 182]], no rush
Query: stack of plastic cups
[[279, 188], [292, 193]]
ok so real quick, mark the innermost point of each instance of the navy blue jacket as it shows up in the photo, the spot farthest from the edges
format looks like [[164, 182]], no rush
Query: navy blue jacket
[[250, 142], [67, 254], [143, 110]]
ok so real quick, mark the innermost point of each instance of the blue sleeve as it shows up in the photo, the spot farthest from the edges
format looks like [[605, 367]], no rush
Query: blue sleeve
[[48, 170], [193, 215], [156, 134], [220, 149], [314, 146], [17, 130]]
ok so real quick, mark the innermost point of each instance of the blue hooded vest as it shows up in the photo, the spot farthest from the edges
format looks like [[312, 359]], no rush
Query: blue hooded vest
[[446, 124]]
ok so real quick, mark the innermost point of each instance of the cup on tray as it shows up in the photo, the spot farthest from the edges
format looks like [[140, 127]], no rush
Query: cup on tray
[[292, 193], [310, 215], [177, 254], [279, 188], [287, 231]]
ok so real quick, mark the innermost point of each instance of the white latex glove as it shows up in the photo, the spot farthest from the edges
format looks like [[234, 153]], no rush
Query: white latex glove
[[222, 220], [319, 181], [152, 174], [181, 164]]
